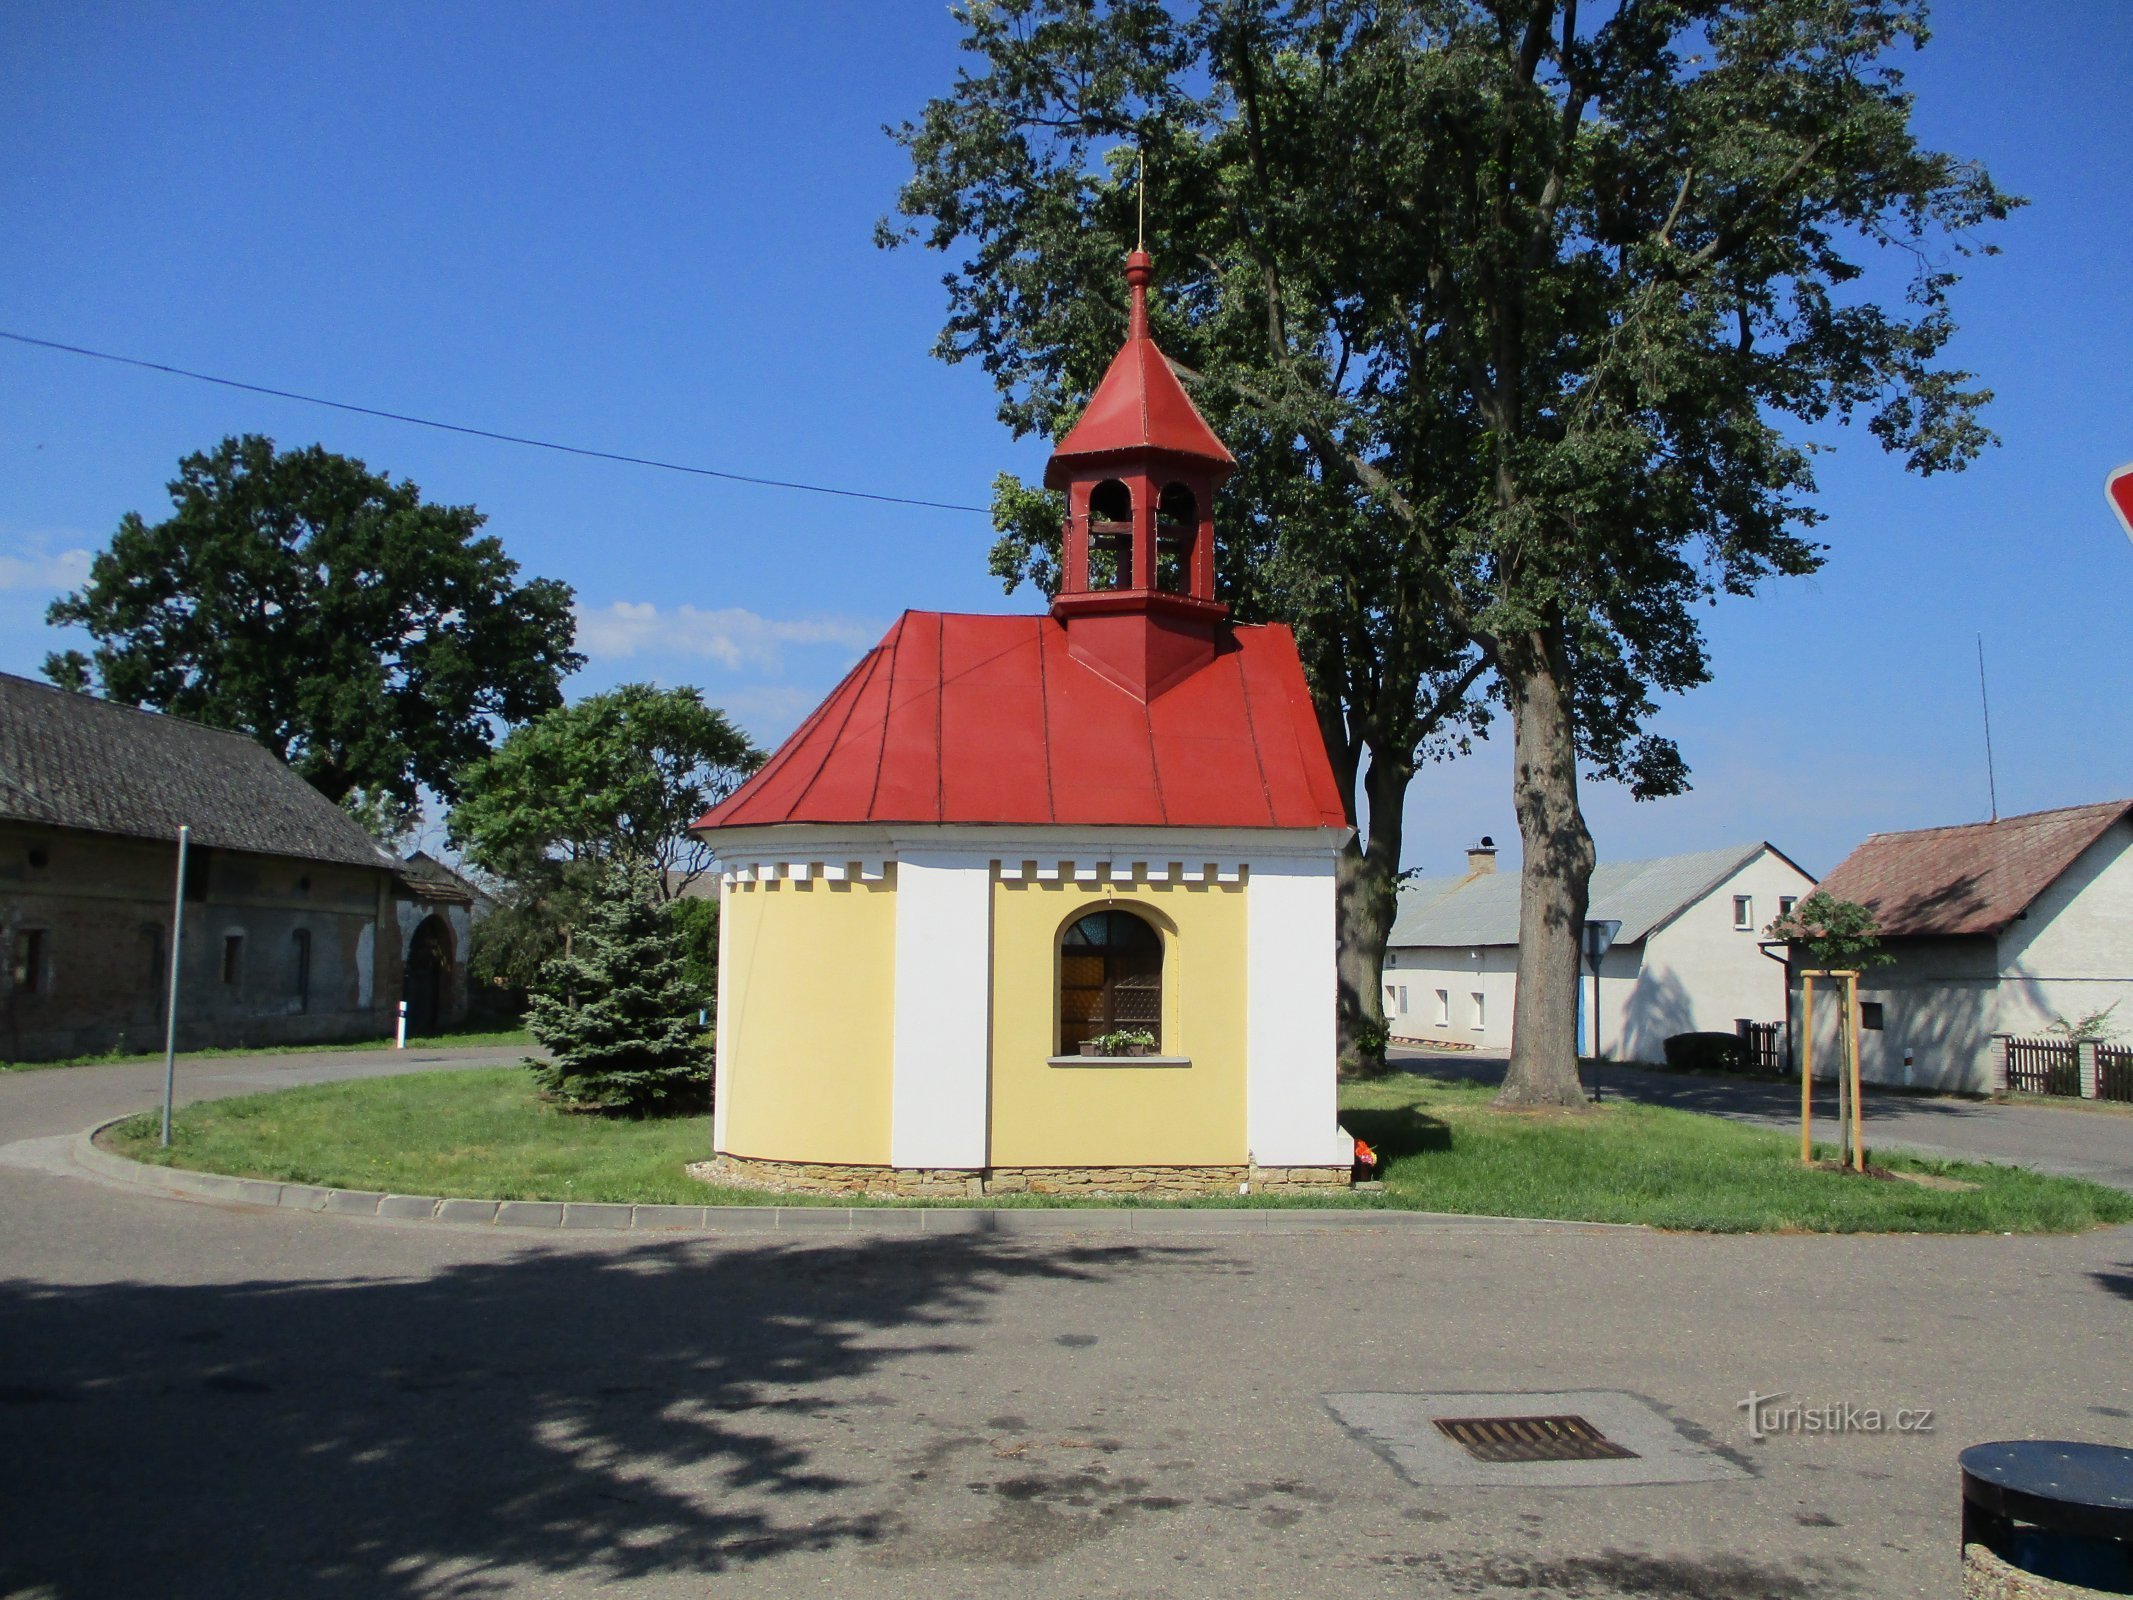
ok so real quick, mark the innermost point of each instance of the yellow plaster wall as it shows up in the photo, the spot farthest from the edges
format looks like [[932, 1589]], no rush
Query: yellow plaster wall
[[810, 1002], [1119, 1116]]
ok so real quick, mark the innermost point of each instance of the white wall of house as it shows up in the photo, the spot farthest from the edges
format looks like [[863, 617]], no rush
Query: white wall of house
[[1697, 973], [1704, 971], [1942, 1000], [1456, 996], [2073, 953]]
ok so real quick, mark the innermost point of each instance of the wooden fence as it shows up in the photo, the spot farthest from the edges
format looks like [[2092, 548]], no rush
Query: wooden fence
[[2043, 1066], [1762, 1049], [2114, 1071]]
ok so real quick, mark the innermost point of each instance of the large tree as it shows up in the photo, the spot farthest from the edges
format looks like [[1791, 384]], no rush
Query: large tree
[[367, 637], [1520, 318], [615, 777]]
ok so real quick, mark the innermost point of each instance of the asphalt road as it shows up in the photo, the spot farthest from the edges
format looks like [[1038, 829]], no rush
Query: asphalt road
[[2071, 1139], [200, 1400]]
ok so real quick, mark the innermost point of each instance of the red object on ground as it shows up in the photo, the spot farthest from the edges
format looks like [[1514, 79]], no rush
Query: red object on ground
[[1364, 1155], [977, 719], [2118, 489]]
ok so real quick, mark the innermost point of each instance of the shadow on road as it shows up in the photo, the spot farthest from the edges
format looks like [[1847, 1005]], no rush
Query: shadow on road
[[606, 1414]]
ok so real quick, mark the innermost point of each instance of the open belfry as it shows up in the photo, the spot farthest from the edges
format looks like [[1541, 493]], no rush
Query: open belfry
[[1046, 903]]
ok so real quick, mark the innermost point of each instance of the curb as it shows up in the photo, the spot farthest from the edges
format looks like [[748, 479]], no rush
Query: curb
[[560, 1216]]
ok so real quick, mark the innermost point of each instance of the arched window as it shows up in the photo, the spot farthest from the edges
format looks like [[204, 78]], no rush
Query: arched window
[[1177, 522], [1110, 535], [1110, 977]]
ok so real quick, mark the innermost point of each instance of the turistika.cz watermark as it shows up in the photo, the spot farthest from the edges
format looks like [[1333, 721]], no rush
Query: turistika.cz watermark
[[1781, 1413]]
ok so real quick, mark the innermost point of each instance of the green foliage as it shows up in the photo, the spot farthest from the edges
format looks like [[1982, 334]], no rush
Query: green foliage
[[1835, 935], [362, 635], [2094, 1028], [484, 1134], [1523, 322], [617, 1014], [695, 919], [1704, 1052], [1120, 1040], [528, 927], [616, 777]]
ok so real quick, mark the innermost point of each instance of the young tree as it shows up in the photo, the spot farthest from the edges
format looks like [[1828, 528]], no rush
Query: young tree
[[1503, 306], [364, 636], [615, 777], [1835, 935], [618, 1014]]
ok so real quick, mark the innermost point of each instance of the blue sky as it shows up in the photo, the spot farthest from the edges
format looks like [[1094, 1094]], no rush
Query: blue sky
[[647, 229]]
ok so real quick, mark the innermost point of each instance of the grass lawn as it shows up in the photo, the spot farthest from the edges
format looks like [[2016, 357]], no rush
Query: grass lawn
[[458, 1039], [484, 1134]]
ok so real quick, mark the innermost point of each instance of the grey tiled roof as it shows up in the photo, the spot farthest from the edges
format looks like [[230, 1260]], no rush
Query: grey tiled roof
[[74, 761], [1640, 895]]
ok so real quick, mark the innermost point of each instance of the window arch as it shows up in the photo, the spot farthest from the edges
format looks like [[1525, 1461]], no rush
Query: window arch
[[1110, 977], [1110, 535], [1177, 522]]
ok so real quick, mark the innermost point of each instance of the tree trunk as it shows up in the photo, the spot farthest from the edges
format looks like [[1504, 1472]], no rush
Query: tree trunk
[[1556, 879], [1366, 882]]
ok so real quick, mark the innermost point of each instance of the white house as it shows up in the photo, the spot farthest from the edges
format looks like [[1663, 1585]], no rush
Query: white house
[[1685, 958], [1998, 928]]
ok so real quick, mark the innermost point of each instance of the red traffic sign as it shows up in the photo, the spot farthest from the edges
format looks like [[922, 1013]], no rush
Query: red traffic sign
[[2118, 489]]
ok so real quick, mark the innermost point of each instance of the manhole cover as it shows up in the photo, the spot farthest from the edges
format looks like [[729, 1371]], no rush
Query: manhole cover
[[1562, 1439], [1531, 1439]]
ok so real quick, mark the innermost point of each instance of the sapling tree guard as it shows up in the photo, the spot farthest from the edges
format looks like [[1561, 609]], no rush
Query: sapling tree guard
[[1521, 317]]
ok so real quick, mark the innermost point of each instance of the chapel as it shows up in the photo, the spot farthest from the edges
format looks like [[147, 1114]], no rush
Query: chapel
[[1046, 903]]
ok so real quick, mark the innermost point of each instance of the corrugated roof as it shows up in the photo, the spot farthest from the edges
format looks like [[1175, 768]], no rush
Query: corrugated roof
[[74, 761], [1641, 895], [1972, 879], [983, 719]]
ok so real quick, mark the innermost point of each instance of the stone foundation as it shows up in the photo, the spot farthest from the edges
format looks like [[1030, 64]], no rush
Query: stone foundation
[[809, 1177]]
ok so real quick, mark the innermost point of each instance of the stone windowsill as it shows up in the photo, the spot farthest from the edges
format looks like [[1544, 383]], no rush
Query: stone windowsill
[[1119, 1061]]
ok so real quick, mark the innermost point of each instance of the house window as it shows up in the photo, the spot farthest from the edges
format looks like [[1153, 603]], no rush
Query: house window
[[1110, 977], [1481, 1011], [1396, 999], [1444, 1008], [1743, 911], [300, 967], [26, 969], [1785, 904], [232, 957], [1870, 1015]]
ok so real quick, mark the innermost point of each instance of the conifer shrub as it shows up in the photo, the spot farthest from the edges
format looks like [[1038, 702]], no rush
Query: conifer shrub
[[618, 1014]]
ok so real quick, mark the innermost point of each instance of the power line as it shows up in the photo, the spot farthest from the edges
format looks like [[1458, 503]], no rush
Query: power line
[[487, 433]]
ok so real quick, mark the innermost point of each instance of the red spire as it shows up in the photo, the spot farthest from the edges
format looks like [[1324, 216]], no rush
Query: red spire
[[1140, 408]]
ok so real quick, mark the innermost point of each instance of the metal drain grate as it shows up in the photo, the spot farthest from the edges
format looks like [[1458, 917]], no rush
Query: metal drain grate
[[1531, 1439]]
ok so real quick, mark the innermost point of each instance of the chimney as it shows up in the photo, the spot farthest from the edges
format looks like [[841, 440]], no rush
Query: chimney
[[1481, 857]]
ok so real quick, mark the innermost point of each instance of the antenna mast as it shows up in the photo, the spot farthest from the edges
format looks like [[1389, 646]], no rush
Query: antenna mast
[[1992, 787]]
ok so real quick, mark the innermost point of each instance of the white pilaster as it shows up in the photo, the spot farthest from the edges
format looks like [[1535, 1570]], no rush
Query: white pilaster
[[940, 1101], [720, 1028], [1291, 1117]]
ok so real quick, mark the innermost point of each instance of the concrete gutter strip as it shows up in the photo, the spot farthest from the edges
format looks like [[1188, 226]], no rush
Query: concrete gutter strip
[[579, 1216]]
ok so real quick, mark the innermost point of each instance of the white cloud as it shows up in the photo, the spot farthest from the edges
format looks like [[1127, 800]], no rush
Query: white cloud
[[736, 639], [69, 569]]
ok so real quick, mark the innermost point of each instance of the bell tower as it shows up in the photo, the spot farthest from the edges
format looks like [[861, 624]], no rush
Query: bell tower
[[1140, 470]]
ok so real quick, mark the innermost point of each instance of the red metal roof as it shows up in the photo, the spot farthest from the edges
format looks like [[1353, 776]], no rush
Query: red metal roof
[[1140, 406], [982, 719], [1974, 879]]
